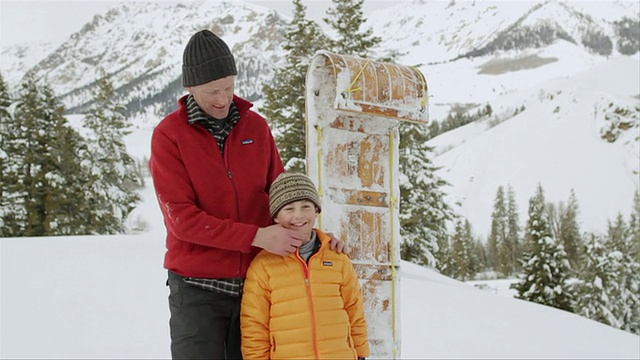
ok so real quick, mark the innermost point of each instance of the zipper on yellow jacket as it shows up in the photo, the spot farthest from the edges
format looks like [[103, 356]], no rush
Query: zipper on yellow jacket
[[307, 283]]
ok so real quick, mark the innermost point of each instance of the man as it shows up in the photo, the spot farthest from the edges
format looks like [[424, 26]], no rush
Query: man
[[212, 162]]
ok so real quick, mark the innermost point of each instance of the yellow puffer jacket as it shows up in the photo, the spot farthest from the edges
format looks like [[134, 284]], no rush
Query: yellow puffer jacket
[[291, 310]]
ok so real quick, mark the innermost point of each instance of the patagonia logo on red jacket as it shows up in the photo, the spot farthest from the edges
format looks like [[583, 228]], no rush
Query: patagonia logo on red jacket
[[247, 141]]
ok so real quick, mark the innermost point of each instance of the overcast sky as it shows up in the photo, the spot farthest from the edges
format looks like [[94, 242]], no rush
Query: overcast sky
[[48, 20]]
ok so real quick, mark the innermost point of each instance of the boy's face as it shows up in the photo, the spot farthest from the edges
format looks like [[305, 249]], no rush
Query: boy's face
[[298, 215]]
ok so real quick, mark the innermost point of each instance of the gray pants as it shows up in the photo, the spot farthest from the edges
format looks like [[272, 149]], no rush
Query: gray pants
[[204, 324]]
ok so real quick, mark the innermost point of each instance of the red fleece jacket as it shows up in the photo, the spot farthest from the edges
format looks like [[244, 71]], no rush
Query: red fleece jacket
[[213, 203]]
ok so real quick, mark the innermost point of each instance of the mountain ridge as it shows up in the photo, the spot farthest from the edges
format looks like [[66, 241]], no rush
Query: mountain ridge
[[140, 44]]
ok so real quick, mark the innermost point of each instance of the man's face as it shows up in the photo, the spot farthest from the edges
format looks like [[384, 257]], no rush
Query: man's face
[[215, 97]]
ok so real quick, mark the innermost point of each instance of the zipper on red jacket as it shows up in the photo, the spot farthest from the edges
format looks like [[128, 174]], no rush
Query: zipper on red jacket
[[307, 282], [225, 158]]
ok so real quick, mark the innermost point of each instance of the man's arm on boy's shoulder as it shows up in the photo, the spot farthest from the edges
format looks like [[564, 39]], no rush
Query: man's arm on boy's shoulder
[[337, 245]]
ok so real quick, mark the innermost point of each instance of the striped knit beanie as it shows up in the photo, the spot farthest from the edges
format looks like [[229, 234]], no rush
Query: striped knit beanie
[[290, 187], [206, 58]]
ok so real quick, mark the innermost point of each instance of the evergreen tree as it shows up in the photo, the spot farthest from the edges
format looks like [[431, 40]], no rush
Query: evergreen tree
[[480, 255], [626, 305], [444, 263], [554, 214], [284, 104], [503, 245], [545, 264], [29, 146], [498, 232], [72, 212], [459, 257], [617, 235], [5, 120], [505, 250], [634, 227], [470, 243], [13, 189], [424, 214], [142, 170], [434, 129], [463, 257], [599, 291], [513, 232], [113, 171], [346, 18], [608, 288], [569, 234], [39, 188]]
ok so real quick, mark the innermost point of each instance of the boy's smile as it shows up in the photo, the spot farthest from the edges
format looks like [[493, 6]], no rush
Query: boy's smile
[[298, 215]]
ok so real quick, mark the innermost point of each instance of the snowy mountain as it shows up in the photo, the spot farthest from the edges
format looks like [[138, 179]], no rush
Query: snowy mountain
[[566, 71], [141, 44], [559, 76], [15, 61], [437, 31], [557, 134], [472, 52]]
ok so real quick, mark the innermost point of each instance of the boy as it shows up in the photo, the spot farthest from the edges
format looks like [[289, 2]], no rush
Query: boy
[[307, 305]]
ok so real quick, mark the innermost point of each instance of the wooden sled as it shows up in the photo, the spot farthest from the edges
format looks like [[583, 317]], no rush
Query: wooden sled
[[353, 109]]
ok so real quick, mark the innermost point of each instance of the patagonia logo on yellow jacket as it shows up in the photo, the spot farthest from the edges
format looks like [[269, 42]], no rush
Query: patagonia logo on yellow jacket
[[327, 263]]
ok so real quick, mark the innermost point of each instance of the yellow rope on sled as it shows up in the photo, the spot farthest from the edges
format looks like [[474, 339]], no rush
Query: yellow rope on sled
[[351, 88], [392, 204]]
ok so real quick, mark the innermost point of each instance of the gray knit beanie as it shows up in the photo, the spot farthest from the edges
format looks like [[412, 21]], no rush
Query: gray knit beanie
[[206, 58], [290, 187]]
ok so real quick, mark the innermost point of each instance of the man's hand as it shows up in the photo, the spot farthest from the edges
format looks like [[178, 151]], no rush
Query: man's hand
[[278, 240], [338, 245]]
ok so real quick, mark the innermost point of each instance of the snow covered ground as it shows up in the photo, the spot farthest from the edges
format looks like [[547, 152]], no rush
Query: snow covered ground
[[105, 297]]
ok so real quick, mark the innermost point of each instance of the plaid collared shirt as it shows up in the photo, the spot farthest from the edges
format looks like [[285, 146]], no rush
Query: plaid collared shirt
[[220, 129], [232, 287]]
